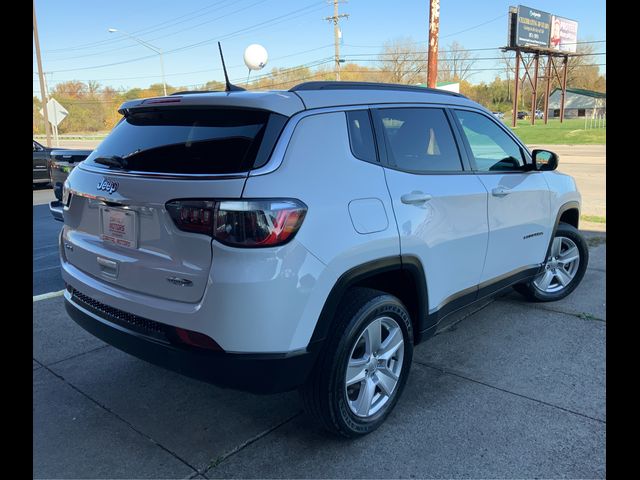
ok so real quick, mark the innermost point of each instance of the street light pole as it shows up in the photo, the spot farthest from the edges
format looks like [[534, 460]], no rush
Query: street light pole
[[150, 47]]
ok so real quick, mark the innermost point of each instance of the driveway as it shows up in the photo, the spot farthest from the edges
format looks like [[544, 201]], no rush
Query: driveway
[[505, 389]]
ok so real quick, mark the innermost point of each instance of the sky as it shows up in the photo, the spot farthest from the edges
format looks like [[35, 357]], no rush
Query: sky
[[76, 44]]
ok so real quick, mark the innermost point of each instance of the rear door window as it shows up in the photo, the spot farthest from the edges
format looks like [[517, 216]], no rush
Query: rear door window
[[419, 140], [192, 141]]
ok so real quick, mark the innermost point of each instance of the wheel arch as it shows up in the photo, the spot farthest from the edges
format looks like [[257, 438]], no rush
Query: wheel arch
[[402, 277], [567, 213]]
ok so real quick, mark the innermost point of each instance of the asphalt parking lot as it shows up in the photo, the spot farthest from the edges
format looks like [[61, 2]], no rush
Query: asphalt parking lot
[[505, 389], [508, 390]]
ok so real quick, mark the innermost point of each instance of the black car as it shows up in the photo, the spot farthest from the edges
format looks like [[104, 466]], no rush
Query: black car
[[61, 163], [523, 115], [40, 163]]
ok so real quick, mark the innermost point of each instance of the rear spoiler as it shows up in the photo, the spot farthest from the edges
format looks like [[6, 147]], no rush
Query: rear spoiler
[[282, 102]]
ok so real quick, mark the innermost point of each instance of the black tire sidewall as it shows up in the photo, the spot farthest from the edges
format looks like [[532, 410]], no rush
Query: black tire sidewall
[[382, 305]]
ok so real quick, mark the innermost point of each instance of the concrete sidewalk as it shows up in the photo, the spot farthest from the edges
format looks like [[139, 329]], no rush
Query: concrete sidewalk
[[506, 389]]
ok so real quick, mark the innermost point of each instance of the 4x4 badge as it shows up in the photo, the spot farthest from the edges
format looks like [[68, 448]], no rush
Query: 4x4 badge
[[108, 185]]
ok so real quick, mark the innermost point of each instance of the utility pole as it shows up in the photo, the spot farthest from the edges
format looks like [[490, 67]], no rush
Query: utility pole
[[335, 18], [43, 92], [434, 29], [54, 125]]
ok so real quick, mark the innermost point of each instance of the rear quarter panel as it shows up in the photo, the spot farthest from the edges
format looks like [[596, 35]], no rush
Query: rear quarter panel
[[320, 169]]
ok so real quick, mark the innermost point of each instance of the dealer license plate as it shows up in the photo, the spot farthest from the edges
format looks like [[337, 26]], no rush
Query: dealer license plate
[[119, 226]]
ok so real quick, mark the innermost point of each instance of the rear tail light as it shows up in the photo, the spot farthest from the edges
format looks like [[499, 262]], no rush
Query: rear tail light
[[240, 223], [65, 193]]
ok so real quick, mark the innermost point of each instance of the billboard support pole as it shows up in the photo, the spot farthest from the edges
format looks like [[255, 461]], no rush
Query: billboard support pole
[[565, 63], [534, 89], [547, 89], [515, 92]]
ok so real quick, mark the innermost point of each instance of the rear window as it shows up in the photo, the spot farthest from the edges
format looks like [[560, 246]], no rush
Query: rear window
[[196, 141]]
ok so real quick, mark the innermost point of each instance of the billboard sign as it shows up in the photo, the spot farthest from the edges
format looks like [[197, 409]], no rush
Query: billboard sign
[[564, 34], [533, 28]]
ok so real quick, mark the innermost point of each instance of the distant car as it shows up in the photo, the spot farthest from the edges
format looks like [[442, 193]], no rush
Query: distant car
[[40, 163], [539, 114], [498, 115], [523, 115], [61, 162]]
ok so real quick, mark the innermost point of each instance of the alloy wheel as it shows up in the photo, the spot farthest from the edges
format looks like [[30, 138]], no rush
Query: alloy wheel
[[374, 367], [561, 266]]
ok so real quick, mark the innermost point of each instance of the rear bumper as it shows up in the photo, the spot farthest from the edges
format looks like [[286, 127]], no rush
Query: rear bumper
[[56, 208], [256, 373]]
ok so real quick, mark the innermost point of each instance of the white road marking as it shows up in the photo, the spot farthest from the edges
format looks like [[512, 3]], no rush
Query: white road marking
[[47, 268], [45, 296]]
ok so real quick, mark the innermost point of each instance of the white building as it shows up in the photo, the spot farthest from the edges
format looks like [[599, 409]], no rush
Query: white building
[[578, 103]]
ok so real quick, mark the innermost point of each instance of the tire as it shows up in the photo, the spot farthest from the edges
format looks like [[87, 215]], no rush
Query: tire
[[348, 410], [564, 276]]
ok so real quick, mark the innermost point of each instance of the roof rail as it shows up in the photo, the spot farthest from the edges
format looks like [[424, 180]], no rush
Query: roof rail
[[333, 85], [190, 92]]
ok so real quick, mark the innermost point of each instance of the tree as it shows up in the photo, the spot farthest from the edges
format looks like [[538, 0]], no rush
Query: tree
[[282, 78], [214, 85], [455, 63], [71, 89], [402, 62], [582, 71], [38, 119], [93, 87]]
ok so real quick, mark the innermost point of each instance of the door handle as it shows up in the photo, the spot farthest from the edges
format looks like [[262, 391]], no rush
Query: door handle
[[415, 198], [500, 191]]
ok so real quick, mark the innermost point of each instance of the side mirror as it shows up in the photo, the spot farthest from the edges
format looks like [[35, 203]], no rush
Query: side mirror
[[544, 160]]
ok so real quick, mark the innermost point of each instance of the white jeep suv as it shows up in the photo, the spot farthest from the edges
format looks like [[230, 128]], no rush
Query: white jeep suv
[[308, 238]]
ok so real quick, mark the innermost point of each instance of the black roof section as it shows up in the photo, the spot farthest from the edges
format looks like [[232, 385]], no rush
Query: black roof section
[[333, 85]]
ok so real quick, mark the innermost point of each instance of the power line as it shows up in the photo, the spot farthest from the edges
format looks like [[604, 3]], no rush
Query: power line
[[318, 63], [471, 59], [467, 49], [135, 32], [475, 26], [163, 36], [287, 71], [252, 28], [211, 70]]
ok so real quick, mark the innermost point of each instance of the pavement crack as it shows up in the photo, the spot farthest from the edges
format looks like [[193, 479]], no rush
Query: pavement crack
[[246, 443], [126, 422], [537, 400], [596, 269], [581, 315], [77, 355]]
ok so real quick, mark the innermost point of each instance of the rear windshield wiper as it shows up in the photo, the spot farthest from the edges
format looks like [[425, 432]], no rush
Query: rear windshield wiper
[[112, 161]]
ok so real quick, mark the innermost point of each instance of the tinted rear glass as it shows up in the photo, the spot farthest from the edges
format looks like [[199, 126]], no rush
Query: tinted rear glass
[[361, 135], [202, 141]]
